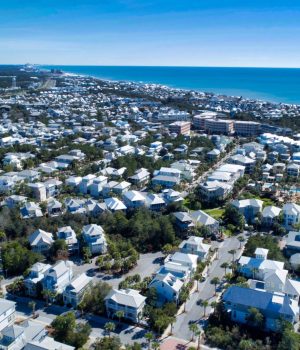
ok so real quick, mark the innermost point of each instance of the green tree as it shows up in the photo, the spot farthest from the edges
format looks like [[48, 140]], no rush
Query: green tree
[[232, 252], [255, 317], [204, 304], [241, 240], [193, 328], [106, 343], [67, 331], [215, 281], [225, 266], [149, 337], [32, 305], [120, 314], [109, 328], [93, 299]]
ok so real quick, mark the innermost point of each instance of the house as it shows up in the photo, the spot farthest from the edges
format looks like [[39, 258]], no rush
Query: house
[[130, 301], [75, 206], [15, 200], [54, 207], [52, 187], [166, 177], [213, 154], [67, 234], [293, 170], [86, 182], [273, 306], [295, 261], [97, 186], [291, 214], [256, 267], [74, 291], [245, 161], [194, 245], [94, 238], [41, 241], [7, 313], [183, 220], [167, 287], [121, 188], [134, 199], [189, 260], [270, 214], [140, 178], [34, 278], [172, 196], [47, 343], [31, 210], [292, 242], [16, 336], [114, 204], [249, 208], [38, 191], [200, 218], [58, 276], [214, 191], [154, 202], [29, 175]]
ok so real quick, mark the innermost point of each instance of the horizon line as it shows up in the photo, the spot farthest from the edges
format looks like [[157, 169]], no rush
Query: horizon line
[[144, 66]]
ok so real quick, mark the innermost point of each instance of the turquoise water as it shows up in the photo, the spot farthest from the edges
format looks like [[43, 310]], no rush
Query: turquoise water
[[270, 84]]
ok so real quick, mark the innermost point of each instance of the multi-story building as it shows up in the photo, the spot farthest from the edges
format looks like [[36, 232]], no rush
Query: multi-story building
[[219, 126], [180, 128], [246, 128]]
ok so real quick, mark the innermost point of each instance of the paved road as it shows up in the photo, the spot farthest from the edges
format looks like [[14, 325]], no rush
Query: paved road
[[194, 312], [127, 333]]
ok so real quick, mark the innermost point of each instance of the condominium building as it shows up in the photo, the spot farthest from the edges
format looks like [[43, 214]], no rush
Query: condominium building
[[180, 128], [219, 126], [246, 128]]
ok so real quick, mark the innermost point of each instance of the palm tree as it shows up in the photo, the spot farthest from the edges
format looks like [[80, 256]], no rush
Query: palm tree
[[155, 345], [241, 240], [214, 305], [198, 277], [172, 321], [193, 328], [149, 336], [225, 266], [215, 281], [49, 295], [204, 304], [120, 314], [232, 252], [32, 305], [198, 334], [109, 327]]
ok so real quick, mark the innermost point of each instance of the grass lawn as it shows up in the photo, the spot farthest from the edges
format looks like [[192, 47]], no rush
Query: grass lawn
[[216, 213]]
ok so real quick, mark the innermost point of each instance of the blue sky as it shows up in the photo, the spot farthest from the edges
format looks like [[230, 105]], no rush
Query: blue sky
[[151, 32]]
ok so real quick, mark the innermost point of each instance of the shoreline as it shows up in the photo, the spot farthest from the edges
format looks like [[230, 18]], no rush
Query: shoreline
[[172, 88]]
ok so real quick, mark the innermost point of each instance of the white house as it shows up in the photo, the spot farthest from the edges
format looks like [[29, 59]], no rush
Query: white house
[[35, 276], [69, 236], [7, 313], [41, 241], [194, 245], [58, 276], [167, 287], [74, 291], [94, 237], [130, 301]]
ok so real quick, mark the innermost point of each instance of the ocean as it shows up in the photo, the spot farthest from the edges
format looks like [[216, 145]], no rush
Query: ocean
[[268, 84]]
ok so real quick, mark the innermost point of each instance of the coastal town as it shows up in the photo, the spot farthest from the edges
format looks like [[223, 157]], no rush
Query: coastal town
[[137, 216]]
